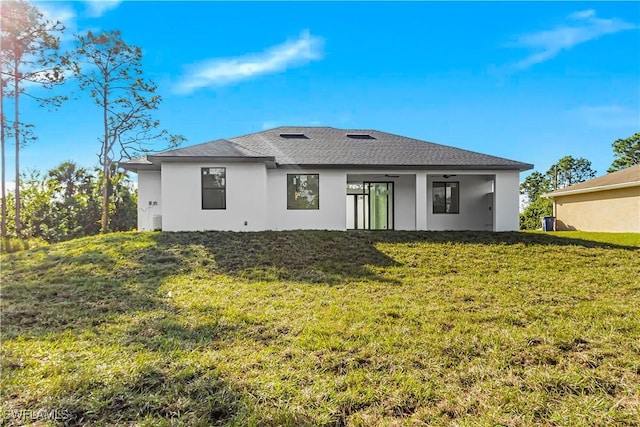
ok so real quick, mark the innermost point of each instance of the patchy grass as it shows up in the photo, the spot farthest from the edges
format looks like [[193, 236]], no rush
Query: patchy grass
[[323, 328], [13, 244], [620, 239]]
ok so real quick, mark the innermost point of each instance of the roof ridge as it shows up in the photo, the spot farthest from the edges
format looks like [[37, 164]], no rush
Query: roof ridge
[[252, 150], [190, 146], [281, 127], [243, 150], [451, 147]]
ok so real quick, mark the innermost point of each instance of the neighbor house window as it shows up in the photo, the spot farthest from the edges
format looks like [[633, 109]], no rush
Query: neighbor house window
[[214, 188], [446, 197], [303, 191]]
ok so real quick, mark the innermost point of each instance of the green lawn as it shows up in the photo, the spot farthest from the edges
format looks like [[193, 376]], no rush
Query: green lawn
[[323, 328]]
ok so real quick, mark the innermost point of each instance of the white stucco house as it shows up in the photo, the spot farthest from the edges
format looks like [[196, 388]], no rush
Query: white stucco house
[[325, 178]]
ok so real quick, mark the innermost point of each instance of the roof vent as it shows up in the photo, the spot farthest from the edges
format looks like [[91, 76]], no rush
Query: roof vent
[[359, 136], [294, 136]]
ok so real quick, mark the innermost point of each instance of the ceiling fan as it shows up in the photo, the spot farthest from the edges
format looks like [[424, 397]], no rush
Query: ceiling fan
[[386, 176]]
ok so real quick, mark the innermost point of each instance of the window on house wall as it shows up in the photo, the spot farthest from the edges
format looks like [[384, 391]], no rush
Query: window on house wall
[[303, 191], [446, 197], [214, 188]]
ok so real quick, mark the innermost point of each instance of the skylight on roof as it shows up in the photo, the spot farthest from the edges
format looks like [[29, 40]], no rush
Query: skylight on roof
[[359, 136], [294, 136]]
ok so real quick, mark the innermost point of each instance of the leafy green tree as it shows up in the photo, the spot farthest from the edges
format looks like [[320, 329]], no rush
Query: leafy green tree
[[626, 152], [530, 218], [37, 216], [28, 54], [75, 204], [65, 203], [111, 70], [535, 185], [123, 203], [568, 171]]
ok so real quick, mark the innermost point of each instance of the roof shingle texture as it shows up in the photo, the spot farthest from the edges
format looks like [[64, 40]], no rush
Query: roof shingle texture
[[625, 176], [331, 146], [327, 146], [217, 148]]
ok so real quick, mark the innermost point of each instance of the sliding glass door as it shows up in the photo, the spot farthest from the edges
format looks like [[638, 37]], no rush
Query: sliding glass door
[[370, 206]]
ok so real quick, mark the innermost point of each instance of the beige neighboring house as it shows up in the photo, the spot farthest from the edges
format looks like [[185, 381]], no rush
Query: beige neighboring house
[[607, 203]]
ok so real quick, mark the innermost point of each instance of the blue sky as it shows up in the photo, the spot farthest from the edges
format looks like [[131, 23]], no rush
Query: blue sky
[[527, 81]]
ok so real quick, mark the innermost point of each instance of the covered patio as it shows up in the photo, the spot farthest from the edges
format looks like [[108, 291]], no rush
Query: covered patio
[[424, 200]]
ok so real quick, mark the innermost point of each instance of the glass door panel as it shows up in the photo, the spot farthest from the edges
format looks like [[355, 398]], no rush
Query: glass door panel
[[351, 211], [362, 210], [357, 211], [380, 205]]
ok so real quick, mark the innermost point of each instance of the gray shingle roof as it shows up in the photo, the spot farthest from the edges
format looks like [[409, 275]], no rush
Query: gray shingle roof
[[331, 147], [217, 148], [626, 177]]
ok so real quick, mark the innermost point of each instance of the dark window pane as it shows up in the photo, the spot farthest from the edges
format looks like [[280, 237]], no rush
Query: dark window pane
[[439, 198], [213, 188], [213, 198], [446, 197], [303, 191]]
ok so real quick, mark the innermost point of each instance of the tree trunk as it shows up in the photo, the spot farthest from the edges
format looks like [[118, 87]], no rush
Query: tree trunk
[[16, 127], [3, 221], [105, 200], [106, 166]]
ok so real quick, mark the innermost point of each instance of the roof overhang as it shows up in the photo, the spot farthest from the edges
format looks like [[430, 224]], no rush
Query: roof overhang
[[152, 163], [520, 168], [622, 185]]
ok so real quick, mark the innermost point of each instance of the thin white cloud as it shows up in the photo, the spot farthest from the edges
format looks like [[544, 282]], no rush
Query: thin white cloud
[[583, 14], [97, 8], [220, 72], [57, 12], [63, 13], [579, 27]]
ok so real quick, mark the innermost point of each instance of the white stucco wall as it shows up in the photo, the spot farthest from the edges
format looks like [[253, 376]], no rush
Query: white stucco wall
[[475, 200], [507, 199], [149, 198], [332, 202], [246, 198], [421, 200], [258, 196], [405, 202]]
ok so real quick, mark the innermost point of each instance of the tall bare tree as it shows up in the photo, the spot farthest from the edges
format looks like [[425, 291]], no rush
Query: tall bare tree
[[112, 72], [29, 54], [3, 221]]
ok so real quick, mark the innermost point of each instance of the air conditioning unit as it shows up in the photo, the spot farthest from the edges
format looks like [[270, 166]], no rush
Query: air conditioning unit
[[156, 222]]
